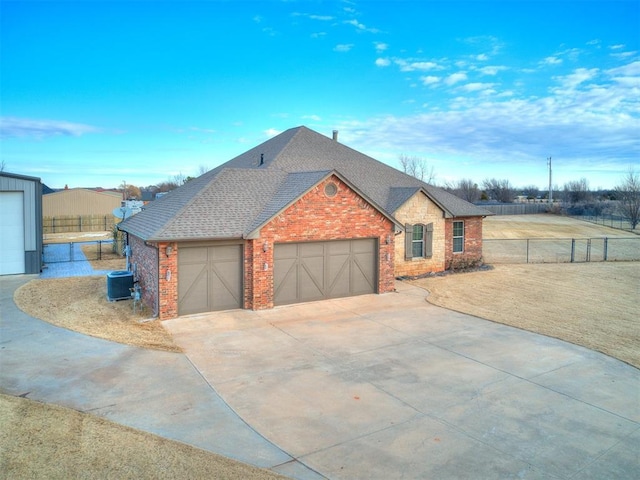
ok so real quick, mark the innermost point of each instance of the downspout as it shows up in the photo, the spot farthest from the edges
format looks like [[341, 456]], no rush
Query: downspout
[[157, 309]]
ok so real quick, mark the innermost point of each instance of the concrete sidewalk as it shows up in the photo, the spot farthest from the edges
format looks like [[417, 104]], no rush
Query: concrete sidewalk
[[154, 391], [388, 386]]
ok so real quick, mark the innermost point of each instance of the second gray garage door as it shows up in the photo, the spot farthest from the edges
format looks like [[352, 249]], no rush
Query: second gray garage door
[[317, 270], [210, 278]]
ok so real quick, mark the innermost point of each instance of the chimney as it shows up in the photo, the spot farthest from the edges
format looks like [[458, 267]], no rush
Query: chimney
[[335, 135]]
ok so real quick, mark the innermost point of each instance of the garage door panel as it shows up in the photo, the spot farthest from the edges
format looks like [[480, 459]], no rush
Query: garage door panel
[[210, 278], [317, 270], [310, 280], [338, 275], [224, 291], [193, 288]]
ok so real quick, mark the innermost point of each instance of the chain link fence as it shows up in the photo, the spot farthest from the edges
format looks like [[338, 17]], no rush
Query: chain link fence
[[561, 250], [81, 251], [613, 221]]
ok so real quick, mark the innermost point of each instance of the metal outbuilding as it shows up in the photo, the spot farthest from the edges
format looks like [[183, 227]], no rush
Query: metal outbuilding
[[20, 224]]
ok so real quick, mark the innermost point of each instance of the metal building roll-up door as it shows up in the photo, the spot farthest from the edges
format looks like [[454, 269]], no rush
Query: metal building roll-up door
[[12, 256], [210, 278], [318, 270]]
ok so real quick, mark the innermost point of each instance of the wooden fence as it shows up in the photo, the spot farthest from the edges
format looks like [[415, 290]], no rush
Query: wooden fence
[[78, 223]]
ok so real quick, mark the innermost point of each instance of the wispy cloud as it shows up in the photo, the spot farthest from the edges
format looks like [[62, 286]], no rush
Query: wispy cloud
[[455, 78], [588, 118], [492, 70], [380, 46], [551, 61], [12, 127], [430, 80], [343, 47], [383, 62], [360, 27], [408, 65], [312, 16]]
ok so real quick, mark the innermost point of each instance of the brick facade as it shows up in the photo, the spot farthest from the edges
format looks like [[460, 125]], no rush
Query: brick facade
[[314, 217], [144, 259], [419, 209], [472, 242], [157, 275], [317, 217]]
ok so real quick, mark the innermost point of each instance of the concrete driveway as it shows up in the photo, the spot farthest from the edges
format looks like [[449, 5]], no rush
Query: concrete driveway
[[391, 387]]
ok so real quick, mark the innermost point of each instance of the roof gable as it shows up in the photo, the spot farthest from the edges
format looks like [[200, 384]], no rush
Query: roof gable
[[295, 186], [236, 198]]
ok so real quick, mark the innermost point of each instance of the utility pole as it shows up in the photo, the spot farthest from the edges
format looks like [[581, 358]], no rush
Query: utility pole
[[550, 187]]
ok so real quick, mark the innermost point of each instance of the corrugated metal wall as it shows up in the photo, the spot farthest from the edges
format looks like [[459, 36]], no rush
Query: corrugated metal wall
[[79, 201], [32, 188]]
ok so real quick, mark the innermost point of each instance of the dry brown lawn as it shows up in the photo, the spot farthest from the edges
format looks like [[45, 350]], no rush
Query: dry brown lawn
[[80, 304], [39, 441], [545, 225], [596, 305]]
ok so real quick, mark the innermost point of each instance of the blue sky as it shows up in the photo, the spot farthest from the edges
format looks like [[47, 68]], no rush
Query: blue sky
[[97, 93]]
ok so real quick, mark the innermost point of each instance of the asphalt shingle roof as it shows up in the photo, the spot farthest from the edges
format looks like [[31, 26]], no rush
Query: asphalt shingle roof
[[237, 197]]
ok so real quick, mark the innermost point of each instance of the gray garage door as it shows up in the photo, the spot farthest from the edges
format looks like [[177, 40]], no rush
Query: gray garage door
[[319, 270], [210, 278]]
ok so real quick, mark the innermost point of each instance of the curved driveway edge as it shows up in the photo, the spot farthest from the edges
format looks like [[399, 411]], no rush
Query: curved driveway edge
[[389, 386], [153, 391]]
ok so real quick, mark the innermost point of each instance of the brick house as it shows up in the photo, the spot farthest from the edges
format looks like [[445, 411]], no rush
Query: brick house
[[298, 218]]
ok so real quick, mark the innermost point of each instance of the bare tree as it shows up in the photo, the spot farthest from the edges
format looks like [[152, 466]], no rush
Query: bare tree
[[531, 192], [2, 165], [499, 190], [466, 189], [202, 169], [417, 167], [628, 196], [577, 191], [179, 179]]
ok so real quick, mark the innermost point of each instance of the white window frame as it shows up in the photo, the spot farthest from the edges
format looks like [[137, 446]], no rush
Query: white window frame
[[455, 237]]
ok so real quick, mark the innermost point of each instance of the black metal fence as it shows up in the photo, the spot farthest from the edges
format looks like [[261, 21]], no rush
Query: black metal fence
[[608, 220], [81, 251], [561, 250]]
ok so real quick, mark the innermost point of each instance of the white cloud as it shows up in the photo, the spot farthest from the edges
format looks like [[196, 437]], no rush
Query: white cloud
[[411, 66], [322, 18], [631, 69], [477, 86], [455, 78], [430, 80], [578, 76], [272, 132], [12, 127], [492, 70], [343, 47], [315, 118], [482, 57], [617, 47], [551, 61], [360, 26], [591, 121], [624, 55], [380, 46], [383, 62]]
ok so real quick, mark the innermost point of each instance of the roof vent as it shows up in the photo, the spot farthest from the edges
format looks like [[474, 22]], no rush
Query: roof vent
[[262, 159], [335, 135]]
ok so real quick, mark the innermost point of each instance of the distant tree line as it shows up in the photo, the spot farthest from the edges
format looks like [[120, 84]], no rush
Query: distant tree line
[[575, 197]]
